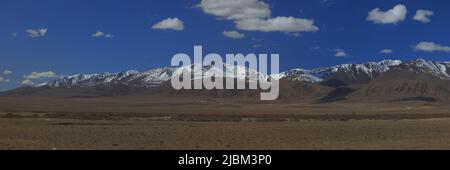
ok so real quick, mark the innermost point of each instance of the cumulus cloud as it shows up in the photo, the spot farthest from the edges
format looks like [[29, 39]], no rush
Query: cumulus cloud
[[255, 15], [233, 34], [236, 9], [170, 23], [431, 47], [340, 53], [27, 82], [4, 80], [100, 34], [40, 75], [37, 33], [423, 16], [386, 51], [281, 24], [392, 16], [7, 72], [315, 48], [28, 79]]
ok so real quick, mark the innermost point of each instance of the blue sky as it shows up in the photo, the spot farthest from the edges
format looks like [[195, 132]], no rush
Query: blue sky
[[63, 37]]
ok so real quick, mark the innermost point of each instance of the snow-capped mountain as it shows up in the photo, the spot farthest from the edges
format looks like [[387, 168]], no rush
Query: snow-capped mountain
[[229, 71], [153, 77], [353, 73], [439, 69], [149, 78]]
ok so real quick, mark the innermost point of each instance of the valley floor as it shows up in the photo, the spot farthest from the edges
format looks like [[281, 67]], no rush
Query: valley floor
[[39, 123], [38, 133]]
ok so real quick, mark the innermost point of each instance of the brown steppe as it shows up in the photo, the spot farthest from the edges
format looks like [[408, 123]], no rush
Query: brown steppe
[[139, 122]]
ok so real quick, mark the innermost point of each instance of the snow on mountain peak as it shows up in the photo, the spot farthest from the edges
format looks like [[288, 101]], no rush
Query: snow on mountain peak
[[159, 76], [439, 69], [317, 75]]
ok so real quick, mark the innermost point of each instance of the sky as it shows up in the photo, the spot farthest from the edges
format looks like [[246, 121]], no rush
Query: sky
[[46, 39]]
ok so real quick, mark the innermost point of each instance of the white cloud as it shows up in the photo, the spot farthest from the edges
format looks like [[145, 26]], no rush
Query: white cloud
[[109, 36], [7, 72], [233, 34], [423, 16], [37, 33], [386, 51], [170, 23], [340, 53], [281, 24], [4, 80], [431, 47], [315, 48], [40, 75], [27, 82], [255, 15], [236, 9], [392, 16], [100, 34]]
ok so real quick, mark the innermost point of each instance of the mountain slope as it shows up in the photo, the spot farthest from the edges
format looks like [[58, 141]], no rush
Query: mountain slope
[[149, 78], [389, 80], [342, 74], [418, 79], [346, 73]]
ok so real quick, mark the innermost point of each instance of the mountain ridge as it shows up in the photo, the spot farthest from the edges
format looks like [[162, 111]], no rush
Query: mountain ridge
[[348, 73], [391, 80]]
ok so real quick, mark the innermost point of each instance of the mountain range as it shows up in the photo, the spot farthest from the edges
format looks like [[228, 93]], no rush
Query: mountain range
[[388, 80]]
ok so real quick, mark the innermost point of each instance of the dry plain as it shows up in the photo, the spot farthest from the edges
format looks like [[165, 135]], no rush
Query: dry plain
[[132, 122]]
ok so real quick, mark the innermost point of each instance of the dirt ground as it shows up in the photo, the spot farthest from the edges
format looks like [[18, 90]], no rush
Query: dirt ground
[[148, 134], [120, 124]]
